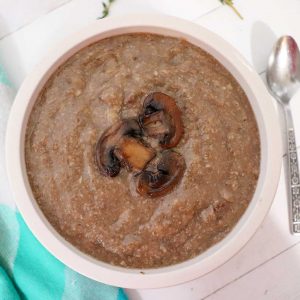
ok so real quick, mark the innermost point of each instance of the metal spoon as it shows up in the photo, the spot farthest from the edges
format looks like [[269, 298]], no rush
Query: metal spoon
[[283, 77]]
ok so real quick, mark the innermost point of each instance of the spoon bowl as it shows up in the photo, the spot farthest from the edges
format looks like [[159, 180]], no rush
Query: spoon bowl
[[283, 70]]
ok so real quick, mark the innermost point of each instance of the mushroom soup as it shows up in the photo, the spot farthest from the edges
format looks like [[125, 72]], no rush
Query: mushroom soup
[[142, 150]]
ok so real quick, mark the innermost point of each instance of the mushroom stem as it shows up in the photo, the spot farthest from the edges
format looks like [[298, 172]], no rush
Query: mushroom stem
[[133, 154]]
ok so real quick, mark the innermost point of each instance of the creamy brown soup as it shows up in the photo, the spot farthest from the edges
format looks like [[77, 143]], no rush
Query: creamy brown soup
[[104, 216]]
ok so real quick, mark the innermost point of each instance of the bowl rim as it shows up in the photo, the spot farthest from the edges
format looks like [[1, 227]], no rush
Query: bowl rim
[[271, 153]]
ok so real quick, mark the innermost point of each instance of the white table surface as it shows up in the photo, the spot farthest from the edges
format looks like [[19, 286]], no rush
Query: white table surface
[[268, 267]]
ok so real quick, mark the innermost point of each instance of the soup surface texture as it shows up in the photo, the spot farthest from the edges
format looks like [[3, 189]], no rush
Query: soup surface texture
[[104, 216]]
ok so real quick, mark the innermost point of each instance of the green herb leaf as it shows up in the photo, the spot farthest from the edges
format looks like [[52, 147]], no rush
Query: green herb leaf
[[106, 8], [230, 4]]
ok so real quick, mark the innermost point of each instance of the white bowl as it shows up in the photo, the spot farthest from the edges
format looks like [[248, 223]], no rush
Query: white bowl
[[265, 114]]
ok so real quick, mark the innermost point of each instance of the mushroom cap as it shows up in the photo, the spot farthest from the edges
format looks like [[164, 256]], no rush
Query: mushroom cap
[[106, 160], [170, 170], [161, 118]]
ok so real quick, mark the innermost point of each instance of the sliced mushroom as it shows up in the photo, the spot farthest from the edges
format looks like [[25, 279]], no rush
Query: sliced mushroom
[[161, 118], [170, 170], [134, 154], [106, 160]]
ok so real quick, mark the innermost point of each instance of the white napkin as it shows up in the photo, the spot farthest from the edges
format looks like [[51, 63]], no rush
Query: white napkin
[[6, 98]]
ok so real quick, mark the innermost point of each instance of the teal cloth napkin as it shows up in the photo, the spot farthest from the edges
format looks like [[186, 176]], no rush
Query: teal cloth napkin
[[27, 270]]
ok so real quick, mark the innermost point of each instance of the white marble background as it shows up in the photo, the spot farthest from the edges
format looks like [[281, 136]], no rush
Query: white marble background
[[268, 267]]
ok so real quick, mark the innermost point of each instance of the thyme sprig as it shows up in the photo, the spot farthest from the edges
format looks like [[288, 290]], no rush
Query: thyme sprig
[[230, 4], [106, 8]]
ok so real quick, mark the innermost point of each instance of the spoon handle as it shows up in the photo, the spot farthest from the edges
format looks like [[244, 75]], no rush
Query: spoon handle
[[293, 174]]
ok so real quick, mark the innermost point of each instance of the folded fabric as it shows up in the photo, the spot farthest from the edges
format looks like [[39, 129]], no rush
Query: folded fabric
[[27, 269]]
